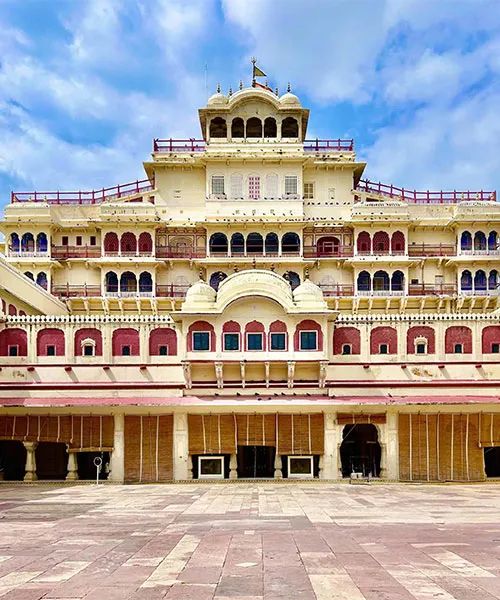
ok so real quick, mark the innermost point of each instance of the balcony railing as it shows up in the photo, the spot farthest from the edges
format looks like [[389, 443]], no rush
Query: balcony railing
[[335, 252], [28, 254], [76, 291], [469, 251], [125, 254], [180, 252], [194, 145], [94, 291], [337, 290], [171, 145], [328, 145], [380, 292], [64, 252], [412, 196], [432, 289], [480, 292], [171, 291], [380, 252], [80, 197], [432, 250]]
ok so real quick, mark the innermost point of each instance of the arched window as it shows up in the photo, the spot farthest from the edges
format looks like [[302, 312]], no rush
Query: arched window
[[278, 336], [290, 243], [381, 243], [254, 128], [458, 340], [237, 244], [125, 342], [480, 280], [201, 337], [111, 243], [272, 244], [28, 243], [270, 129], [255, 340], [218, 243], [381, 282], [216, 278], [50, 342], [364, 282], [493, 280], [493, 241], [383, 340], [237, 128], [13, 342], [41, 242], [41, 280], [218, 128], [363, 243], [145, 282], [29, 275], [398, 242], [328, 246], [289, 128], [418, 333], [466, 281], [128, 243], [466, 241], [397, 281], [292, 278], [255, 243], [163, 342], [128, 282], [111, 282], [308, 336], [88, 337], [491, 339], [145, 243], [12, 310], [346, 336], [14, 242], [479, 241]]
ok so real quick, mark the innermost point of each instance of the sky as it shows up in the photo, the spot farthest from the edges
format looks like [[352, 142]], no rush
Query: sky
[[85, 85]]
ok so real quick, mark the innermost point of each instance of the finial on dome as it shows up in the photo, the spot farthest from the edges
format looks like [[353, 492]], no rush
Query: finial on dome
[[230, 91], [286, 276], [241, 84], [267, 83], [235, 269], [254, 264], [200, 272], [218, 88], [273, 267], [289, 88], [307, 273], [276, 91]]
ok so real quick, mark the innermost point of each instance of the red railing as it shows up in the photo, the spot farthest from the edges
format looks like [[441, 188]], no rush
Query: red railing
[[380, 252], [86, 291], [339, 251], [328, 145], [177, 252], [171, 291], [427, 197], [64, 252], [125, 254], [171, 145], [432, 289], [432, 250], [338, 289], [92, 197], [76, 291]]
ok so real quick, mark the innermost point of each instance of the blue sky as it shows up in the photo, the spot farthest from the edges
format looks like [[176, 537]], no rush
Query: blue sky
[[86, 84]]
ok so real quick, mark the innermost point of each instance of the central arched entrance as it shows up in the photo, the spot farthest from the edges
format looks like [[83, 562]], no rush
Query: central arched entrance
[[360, 450]]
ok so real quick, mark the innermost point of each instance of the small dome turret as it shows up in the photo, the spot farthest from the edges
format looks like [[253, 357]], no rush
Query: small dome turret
[[309, 295], [199, 295], [218, 99]]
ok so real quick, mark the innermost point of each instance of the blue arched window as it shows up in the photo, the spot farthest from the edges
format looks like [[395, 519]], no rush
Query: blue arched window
[[466, 241], [41, 242], [480, 280], [466, 281], [364, 282]]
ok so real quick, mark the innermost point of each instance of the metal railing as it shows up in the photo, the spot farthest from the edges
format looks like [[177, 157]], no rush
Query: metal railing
[[328, 145], [432, 250], [336, 290], [432, 289], [172, 145], [180, 252], [64, 252], [334, 252]]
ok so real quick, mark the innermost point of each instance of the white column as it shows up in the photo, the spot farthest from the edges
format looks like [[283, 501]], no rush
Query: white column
[[117, 461], [143, 342], [181, 447], [233, 466], [32, 353], [392, 447], [72, 466], [330, 458], [30, 461]]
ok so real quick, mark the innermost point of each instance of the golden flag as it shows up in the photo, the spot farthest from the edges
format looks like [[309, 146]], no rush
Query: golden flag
[[257, 72]]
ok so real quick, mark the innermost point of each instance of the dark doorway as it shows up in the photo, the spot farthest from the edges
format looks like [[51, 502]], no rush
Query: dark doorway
[[51, 460], [360, 450], [256, 461], [12, 460], [86, 467], [492, 462]]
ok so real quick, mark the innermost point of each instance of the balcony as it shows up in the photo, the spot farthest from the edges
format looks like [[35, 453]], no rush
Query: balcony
[[380, 292], [380, 253], [470, 251], [180, 252], [328, 145], [171, 145], [480, 292], [65, 252], [81, 197], [414, 197], [94, 291], [334, 252], [432, 289], [125, 254], [337, 290], [76, 291], [193, 145], [171, 291], [28, 254], [423, 250]]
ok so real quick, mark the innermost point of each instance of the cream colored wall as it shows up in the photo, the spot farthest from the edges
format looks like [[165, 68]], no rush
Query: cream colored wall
[[183, 191]]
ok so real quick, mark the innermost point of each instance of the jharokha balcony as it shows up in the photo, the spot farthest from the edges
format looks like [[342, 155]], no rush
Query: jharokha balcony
[[110, 291], [65, 252], [425, 197], [418, 250], [193, 145]]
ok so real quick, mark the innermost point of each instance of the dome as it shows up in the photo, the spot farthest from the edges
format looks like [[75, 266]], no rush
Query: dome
[[217, 99], [309, 295], [290, 99], [199, 295]]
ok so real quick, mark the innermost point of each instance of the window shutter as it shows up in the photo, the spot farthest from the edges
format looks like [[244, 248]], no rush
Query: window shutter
[[236, 186], [272, 186], [290, 185], [254, 187]]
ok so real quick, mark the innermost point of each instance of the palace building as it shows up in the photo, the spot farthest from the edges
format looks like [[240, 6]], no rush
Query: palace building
[[253, 308]]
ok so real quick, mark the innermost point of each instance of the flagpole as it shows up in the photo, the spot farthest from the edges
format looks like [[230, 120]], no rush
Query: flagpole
[[206, 79], [254, 60]]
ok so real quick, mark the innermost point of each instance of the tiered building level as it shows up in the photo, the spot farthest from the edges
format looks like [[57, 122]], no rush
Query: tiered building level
[[253, 308]]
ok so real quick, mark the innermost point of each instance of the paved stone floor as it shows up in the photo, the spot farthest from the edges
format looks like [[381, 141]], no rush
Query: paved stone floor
[[250, 542]]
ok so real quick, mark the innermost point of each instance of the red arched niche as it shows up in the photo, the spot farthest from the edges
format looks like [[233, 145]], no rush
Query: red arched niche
[[384, 335], [125, 337], [346, 335], [490, 336], [201, 326], [12, 310], [278, 327], [458, 334], [163, 336], [88, 333], [13, 337], [48, 338], [255, 327], [420, 332], [308, 325], [111, 242]]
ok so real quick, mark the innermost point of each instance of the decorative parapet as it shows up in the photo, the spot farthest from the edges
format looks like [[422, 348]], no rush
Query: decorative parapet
[[408, 318]]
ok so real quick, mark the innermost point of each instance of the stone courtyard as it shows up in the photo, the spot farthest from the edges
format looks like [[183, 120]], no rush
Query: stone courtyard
[[244, 541]]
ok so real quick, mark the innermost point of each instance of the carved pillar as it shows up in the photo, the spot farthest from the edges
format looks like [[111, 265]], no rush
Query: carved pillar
[[233, 465], [323, 366], [72, 466], [182, 461], [30, 467], [186, 367], [117, 461], [267, 365], [219, 374], [242, 370], [278, 473], [329, 469], [392, 447], [291, 373]]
